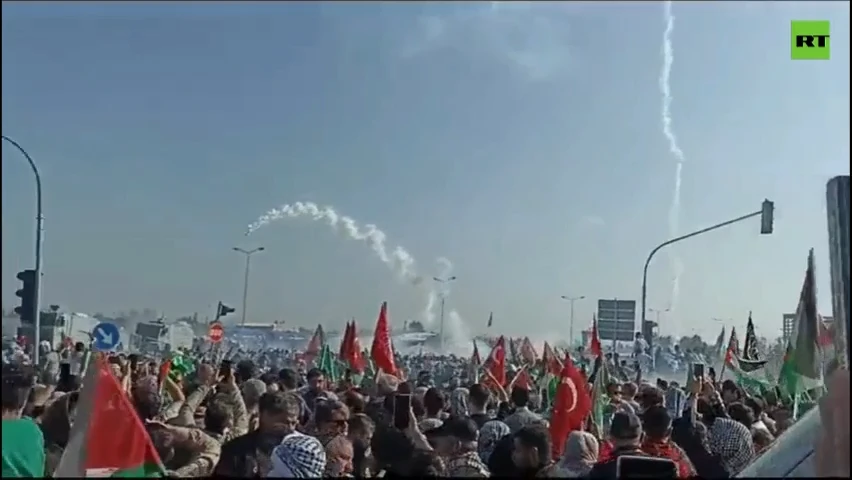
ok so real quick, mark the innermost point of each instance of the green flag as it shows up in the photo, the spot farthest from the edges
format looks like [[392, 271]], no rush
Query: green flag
[[327, 363], [600, 401], [790, 383]]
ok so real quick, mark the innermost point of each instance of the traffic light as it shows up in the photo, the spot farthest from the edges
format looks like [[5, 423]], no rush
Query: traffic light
[[28, 296], [767, 217]]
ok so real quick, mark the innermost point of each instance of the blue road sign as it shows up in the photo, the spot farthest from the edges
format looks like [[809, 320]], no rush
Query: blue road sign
[[106, 336]]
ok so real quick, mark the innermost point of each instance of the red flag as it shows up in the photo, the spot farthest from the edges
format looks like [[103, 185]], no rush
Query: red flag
[[522, 380], [353, 352], [551, 362], [733, 349], [595, 341], [315, 345], [528, 353], [826, 334], [382, 352], [496, 361], [163, 374], [108, 438], [571, 405], [344, 342]]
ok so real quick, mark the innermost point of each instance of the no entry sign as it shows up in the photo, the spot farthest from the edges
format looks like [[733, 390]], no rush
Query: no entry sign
[[216, 333]]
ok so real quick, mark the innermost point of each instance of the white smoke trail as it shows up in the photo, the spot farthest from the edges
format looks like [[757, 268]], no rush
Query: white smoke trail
[[398, 260], [665, 89]]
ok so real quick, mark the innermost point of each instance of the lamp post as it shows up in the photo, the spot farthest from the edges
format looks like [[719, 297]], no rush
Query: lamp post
[[443, 282], [38, 244], [248, 254], [657, 312], [766, 214], [571, 301]]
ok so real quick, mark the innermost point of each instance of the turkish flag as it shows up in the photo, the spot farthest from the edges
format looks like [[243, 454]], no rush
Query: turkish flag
[[353, 351], [381, 351], [571, 406], [551, 362], [522, 380], [496, 361], [595, 341]]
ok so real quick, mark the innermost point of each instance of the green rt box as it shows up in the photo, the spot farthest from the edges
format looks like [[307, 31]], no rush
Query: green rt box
[[810, 40]]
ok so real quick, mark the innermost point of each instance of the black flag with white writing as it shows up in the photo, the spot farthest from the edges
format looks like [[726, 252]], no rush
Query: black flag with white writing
[[223, 310]]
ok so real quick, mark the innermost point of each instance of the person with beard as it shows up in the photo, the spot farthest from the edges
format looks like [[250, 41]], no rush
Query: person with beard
[[532, 452], [331, 419], [456, 440], [315, 388], [249, 455], [288, 382]]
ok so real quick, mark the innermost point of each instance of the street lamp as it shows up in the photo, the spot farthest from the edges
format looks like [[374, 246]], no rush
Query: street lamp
[[248, 254], [767, 216], [657, 312], [442, 282], [38, 244], [571, 301]]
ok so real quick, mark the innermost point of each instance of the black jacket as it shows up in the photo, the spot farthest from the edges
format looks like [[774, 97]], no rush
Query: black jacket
[[247, 456]]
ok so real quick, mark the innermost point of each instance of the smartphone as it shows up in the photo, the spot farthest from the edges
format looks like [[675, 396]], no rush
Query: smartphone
[[698, 370], [634, 466], [64, 371], [114, 360], [712, 372], [402, 411], [226, 368]]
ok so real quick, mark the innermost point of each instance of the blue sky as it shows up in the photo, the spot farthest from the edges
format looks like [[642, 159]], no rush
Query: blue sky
[[523, 142]]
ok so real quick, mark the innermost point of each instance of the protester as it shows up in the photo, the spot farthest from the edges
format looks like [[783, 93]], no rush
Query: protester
[[23, 442], [579, 456], [272, 415]]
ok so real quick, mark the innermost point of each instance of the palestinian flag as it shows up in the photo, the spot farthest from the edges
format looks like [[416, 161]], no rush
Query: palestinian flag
[[107, 439]]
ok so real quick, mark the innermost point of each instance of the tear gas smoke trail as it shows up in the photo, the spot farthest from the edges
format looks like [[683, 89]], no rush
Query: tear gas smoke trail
[[399, 260], [665, 89]]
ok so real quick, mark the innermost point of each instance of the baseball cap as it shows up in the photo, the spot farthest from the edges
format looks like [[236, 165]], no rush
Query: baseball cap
[[625, 426], [464, 429]]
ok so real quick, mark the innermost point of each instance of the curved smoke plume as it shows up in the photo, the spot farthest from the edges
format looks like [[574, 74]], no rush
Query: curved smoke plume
[[397, 259]]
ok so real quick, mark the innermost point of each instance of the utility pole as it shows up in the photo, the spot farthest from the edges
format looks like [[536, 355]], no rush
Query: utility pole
[[443, 282], [571, 301], [766, 214], [38, 245], [248, 254]]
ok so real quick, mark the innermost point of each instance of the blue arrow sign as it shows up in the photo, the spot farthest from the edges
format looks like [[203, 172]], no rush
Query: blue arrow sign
[[106, 336]]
